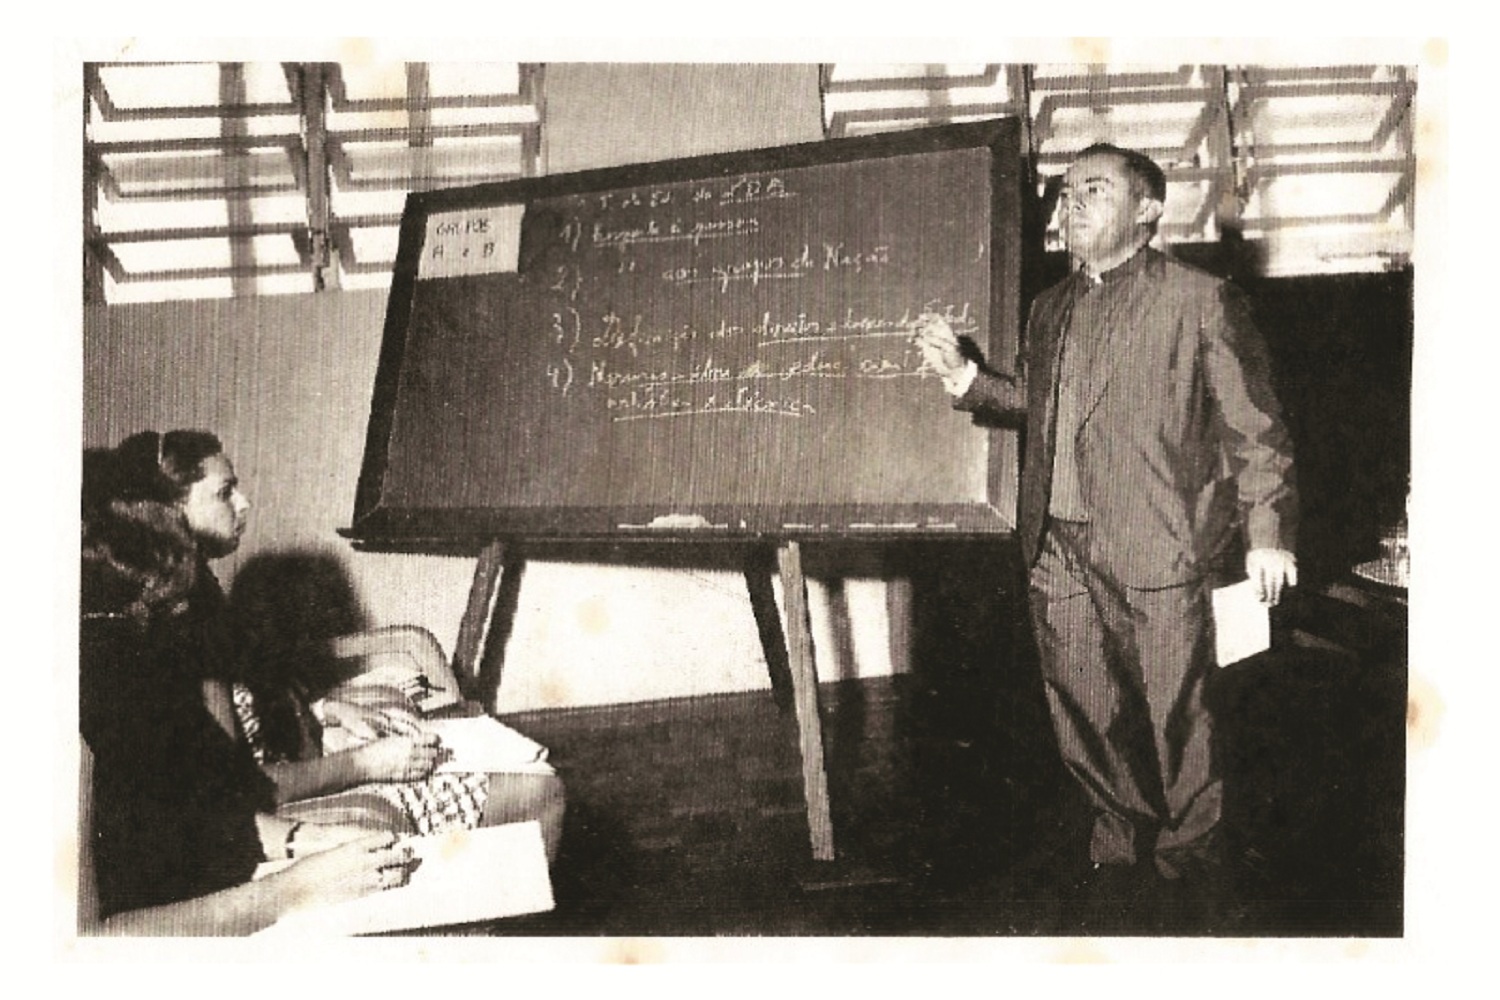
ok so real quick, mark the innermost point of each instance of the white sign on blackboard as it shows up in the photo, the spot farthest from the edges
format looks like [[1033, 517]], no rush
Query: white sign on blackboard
[[472, 241]]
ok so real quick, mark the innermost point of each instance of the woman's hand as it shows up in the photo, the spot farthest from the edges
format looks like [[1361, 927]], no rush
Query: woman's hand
[[369, 864], [368, 722], [281, 837], [399, 758], [307, 839]]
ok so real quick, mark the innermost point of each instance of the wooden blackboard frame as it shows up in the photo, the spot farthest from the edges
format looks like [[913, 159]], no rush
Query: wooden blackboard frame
[[378, 524]]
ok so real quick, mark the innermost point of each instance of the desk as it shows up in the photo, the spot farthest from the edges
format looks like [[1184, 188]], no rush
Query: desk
[[1363, 614]]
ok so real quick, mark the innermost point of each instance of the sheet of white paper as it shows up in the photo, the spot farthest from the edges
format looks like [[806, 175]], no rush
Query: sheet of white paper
[[1242, 624], [464, 876], [485, 744]]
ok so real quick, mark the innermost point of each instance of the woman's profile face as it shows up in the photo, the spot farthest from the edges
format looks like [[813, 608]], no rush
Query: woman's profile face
[[215, 509]]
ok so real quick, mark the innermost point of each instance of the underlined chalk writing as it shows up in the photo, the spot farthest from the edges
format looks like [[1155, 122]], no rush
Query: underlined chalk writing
[[723, 277], [814, 367], [634, 334], [641, 371], [795, 265], [851, 326], [657, 231], [792, 294], [726, 343], [664, 401]]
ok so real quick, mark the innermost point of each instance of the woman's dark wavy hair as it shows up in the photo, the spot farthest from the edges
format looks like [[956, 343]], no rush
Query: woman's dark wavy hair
[[162, 467], [138, 555]]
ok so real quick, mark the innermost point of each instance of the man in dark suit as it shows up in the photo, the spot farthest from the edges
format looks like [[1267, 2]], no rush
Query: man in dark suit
[[1155, 452]]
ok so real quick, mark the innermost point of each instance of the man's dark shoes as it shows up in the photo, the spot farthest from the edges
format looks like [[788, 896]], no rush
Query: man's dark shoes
[[1205, 897], [1113, 900]]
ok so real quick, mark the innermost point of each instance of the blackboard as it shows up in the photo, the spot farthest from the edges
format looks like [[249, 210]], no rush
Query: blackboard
[[716, 344]]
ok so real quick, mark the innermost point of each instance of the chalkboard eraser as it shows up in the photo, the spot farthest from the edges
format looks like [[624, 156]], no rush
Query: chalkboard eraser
[[679, 521]]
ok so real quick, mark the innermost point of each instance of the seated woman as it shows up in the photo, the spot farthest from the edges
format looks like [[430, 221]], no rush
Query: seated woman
[[389, 780], [177, 816]]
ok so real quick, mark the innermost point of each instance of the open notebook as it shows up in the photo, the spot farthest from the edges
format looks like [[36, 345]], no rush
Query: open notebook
[[485, 744], [464, 876], [475, 743]]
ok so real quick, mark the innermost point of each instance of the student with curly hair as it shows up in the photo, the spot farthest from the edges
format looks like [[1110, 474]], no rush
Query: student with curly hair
[[387, 779], [177, 815]]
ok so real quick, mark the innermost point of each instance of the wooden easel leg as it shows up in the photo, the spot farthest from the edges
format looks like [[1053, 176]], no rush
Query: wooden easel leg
[[805, 695], [476, 616], [759, 568], [502, 620]]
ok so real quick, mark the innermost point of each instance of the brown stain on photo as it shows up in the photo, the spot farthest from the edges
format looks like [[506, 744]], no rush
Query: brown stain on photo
[[1082, 952], [555, 693], [356, 51], [1090, 50], [634, 951], [1424, 712], [65, 867], [391, 77], [1431, 143], [454, 843], [1430, 138], [593, 616]]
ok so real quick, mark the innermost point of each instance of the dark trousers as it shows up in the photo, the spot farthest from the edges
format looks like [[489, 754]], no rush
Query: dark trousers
[[1124, 670]]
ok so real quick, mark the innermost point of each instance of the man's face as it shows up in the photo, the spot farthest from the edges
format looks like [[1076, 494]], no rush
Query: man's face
[[215, 508], [1101, 216]]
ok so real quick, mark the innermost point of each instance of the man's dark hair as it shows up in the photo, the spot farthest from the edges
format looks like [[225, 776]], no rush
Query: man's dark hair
[[1146, 177]]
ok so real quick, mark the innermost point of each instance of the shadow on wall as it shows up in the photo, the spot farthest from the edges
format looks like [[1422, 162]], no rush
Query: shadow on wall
[[286, 606]]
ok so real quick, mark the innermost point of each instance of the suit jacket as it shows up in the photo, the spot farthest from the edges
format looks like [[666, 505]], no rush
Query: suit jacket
[[1180, 439]]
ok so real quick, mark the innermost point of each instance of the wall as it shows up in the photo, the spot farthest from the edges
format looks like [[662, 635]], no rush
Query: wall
[[608, 114], [286, 380]]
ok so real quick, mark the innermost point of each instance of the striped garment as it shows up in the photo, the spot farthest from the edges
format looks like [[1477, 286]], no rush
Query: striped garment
[[431, 805]]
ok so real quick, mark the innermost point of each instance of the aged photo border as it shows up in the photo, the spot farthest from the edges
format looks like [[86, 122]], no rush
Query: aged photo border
[[1433, 886]]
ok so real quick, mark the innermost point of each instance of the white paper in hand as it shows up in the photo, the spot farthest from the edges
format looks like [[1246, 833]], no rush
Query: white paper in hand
[[1242, 623]]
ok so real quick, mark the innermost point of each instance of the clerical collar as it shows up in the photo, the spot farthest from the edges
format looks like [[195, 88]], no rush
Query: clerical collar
[[1121, 269]]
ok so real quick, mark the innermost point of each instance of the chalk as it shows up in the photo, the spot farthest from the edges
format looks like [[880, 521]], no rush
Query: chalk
[[674, 522], [680, 521]]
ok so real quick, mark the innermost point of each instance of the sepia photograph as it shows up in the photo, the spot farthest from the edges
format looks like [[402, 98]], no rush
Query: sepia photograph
[[663, 506]]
